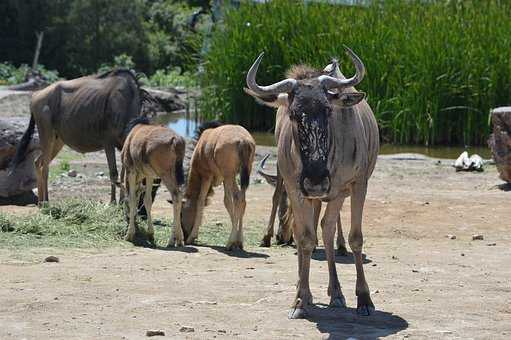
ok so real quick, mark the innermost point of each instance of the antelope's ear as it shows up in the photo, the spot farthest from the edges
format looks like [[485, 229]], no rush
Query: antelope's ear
[[346, 99], [271, 100]]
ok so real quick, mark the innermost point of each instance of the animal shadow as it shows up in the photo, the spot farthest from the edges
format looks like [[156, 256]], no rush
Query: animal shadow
[[237, 253], [345, 323], [320, 255], [504, 187]]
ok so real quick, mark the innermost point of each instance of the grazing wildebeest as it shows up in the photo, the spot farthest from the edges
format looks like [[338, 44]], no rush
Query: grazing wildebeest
[[286, 221], [87, 114], [327, 150], [221, 152], [151, 152]]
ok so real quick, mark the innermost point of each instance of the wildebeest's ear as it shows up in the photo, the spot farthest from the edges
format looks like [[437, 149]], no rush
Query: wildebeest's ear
[[347, 99], [271, 100]]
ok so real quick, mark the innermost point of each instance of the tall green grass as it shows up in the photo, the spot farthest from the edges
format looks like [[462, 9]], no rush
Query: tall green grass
[[434, 69]]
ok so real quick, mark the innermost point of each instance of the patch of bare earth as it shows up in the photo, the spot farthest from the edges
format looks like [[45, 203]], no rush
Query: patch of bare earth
[[424, 285]]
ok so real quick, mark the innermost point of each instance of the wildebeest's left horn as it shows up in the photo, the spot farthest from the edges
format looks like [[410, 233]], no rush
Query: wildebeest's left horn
[[283, 86], [271, 179], [332, 82]]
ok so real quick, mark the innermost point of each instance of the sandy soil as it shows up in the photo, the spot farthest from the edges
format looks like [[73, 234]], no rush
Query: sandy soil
[[424, 285]]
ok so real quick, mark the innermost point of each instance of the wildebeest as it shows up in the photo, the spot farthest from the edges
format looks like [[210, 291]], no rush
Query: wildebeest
[[286, 220], [151, 152], [87, 114], [327, 148], [221, 153]]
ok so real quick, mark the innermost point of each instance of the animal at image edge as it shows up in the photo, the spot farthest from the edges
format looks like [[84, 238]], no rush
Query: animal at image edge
[[220, 154], [88, 114], [327, 145], [151, 152]]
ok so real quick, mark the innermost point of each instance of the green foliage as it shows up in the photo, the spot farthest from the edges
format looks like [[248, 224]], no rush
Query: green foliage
[[172, 77], [120, 61], [10, 74], [434, 69]]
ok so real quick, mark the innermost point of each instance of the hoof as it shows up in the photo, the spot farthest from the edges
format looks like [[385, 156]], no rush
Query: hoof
[[191, 240], [297, 313], [234, 246], [342, 251], [175, 243], [338, 302], [365, 310], [365, 306], [266, 241]]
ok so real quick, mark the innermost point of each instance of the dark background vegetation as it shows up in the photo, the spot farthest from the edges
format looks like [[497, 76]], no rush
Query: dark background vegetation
[[434, 68]]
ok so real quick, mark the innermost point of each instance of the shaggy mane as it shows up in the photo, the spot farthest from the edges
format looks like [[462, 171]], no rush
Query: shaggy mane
[[300, 72], [134, 122]]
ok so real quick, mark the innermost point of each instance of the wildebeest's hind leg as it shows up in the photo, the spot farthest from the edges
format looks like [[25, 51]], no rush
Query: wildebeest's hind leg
[[112, 169], [364, 304], [148, 203], [328, 224], [341, 243], [132, 205], [229, 202], [277, 194]]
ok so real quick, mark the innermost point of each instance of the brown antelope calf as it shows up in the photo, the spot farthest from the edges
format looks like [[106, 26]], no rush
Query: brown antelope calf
[[150, 152], [221, 152]]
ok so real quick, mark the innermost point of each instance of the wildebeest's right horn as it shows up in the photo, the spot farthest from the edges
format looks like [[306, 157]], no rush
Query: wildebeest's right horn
[[331, 82], [283, 86], [271, 179]]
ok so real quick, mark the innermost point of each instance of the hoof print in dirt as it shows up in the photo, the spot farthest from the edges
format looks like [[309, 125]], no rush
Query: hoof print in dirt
[[155, 333]]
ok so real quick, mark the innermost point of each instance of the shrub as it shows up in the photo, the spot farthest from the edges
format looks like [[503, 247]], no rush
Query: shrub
[[434, 68]]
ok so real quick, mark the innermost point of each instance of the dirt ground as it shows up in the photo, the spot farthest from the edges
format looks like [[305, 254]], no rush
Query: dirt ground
[[424, 284]]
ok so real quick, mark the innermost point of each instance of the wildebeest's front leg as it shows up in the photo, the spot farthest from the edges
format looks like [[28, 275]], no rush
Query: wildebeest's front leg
[[341, 242], [112, 168], [364, 304], [201, 202], [328, 224], [305, 242], [277, 194]]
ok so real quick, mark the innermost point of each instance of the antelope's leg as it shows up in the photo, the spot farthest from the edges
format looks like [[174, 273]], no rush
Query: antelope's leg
[[328, 224], [305, 243], [358, 193], [240, 205], [277, 194], [201, 202], [132, 205], [112, 168], [176, 237], [148, 203], [341, 242]]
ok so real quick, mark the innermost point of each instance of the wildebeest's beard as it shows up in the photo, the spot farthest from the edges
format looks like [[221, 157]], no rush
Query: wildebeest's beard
[[311, 119]]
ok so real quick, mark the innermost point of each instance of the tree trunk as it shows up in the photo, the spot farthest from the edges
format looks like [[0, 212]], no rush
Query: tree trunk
[[500, 141], [16, 186]]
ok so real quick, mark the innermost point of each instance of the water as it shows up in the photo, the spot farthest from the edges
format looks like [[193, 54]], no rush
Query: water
[[185, 126]]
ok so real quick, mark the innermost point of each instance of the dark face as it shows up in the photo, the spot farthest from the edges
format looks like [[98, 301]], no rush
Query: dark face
[[309, 111]]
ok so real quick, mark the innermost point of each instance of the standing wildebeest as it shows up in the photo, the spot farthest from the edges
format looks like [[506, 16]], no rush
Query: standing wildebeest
[[327, 150], [151, 152], [87, 114], [221, 152]]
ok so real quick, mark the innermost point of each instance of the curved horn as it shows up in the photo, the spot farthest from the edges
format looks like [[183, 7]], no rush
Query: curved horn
[[271, 179], [332, 82], [283, 86]]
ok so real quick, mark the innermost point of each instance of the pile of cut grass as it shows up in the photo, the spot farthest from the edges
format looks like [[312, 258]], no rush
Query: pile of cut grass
[[69, 223]]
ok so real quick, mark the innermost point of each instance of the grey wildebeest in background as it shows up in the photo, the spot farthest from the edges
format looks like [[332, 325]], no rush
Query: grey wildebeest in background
[[151, 152], [88, 114], [286, 221], [221, 152], [328, 141]]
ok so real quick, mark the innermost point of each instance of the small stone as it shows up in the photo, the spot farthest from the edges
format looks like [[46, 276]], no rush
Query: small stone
[[451, 237], [477, 237], [491, 244], [51, 259], [462, 254], [187, 329], [155, 333], [72, 173], [394, 257]]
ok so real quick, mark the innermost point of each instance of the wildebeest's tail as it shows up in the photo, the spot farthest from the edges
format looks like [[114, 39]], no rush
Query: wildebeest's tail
[[21, 149], [246, 154]]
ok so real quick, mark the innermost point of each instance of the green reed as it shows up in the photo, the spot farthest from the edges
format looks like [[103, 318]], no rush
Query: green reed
[[434, 69]]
